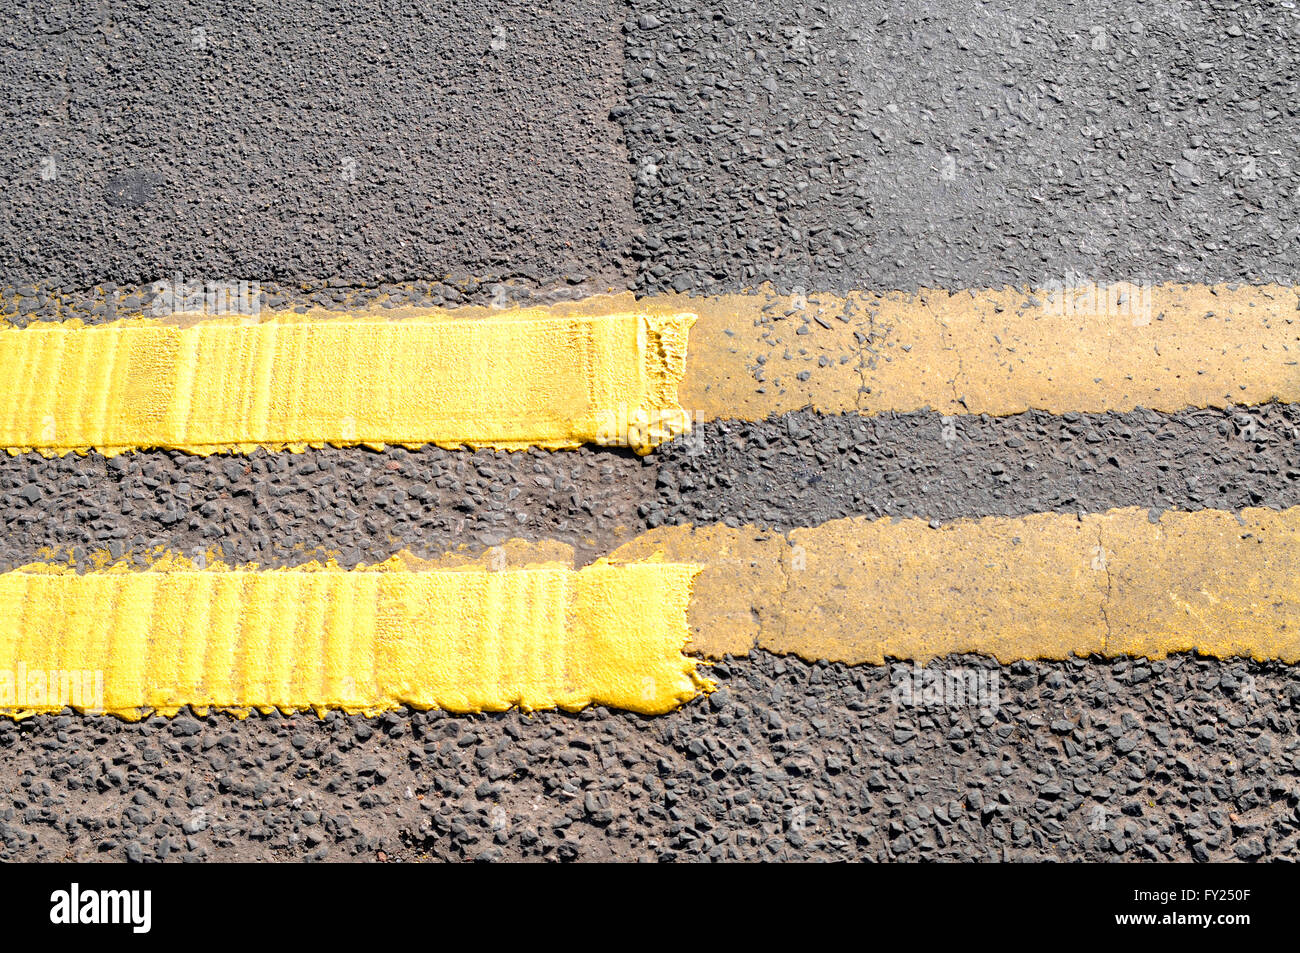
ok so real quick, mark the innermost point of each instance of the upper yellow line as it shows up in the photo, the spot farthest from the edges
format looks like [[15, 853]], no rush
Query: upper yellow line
[[506, 381], [615, 369]]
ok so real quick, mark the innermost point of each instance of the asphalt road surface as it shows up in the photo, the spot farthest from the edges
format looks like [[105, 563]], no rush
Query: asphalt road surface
[[463, 153]]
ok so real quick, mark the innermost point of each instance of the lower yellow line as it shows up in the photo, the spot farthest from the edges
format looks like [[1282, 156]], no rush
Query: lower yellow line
[[536, 634], [463, 640], [1042, 586]]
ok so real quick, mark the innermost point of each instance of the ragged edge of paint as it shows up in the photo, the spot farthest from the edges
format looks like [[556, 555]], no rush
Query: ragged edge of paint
[[244, 449], [403, 562], [662, 340], [382, 309]]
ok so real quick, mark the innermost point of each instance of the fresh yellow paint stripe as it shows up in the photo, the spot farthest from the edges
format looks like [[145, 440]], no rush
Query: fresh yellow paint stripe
[[505, 381], [464, 640], [1042, 586]]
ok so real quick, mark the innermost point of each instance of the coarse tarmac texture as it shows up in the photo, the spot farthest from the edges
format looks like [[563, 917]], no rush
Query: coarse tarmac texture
[[1123, 760], [1095, 174], [354, 505], [355, 145]]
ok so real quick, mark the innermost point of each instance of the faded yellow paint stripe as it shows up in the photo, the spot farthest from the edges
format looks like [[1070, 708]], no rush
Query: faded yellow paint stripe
[[464, 640], [1042, 586], [997, 352], [505, 381]]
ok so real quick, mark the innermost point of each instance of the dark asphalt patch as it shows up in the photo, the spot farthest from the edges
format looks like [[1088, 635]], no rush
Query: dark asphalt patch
[[286, 509], [363, 143], [1185, 759], [962, 144]]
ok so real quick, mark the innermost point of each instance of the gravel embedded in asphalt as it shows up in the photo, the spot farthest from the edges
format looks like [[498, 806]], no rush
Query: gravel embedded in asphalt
[[799, 469], [1185, 759]]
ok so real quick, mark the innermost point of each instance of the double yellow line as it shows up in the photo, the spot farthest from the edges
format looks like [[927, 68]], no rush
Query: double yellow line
[[618, 370]]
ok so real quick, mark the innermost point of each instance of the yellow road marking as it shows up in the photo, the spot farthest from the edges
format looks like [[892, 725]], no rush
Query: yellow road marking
[[508, 381], [1042, 586], [610, 369], [464, 640]]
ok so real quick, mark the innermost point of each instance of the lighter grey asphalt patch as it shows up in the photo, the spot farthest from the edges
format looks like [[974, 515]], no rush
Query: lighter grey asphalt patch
[[958, 143]]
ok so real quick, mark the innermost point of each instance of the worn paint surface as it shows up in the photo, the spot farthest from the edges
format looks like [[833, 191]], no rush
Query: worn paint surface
[[998, 352], [1043, 586], [995, 351]]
